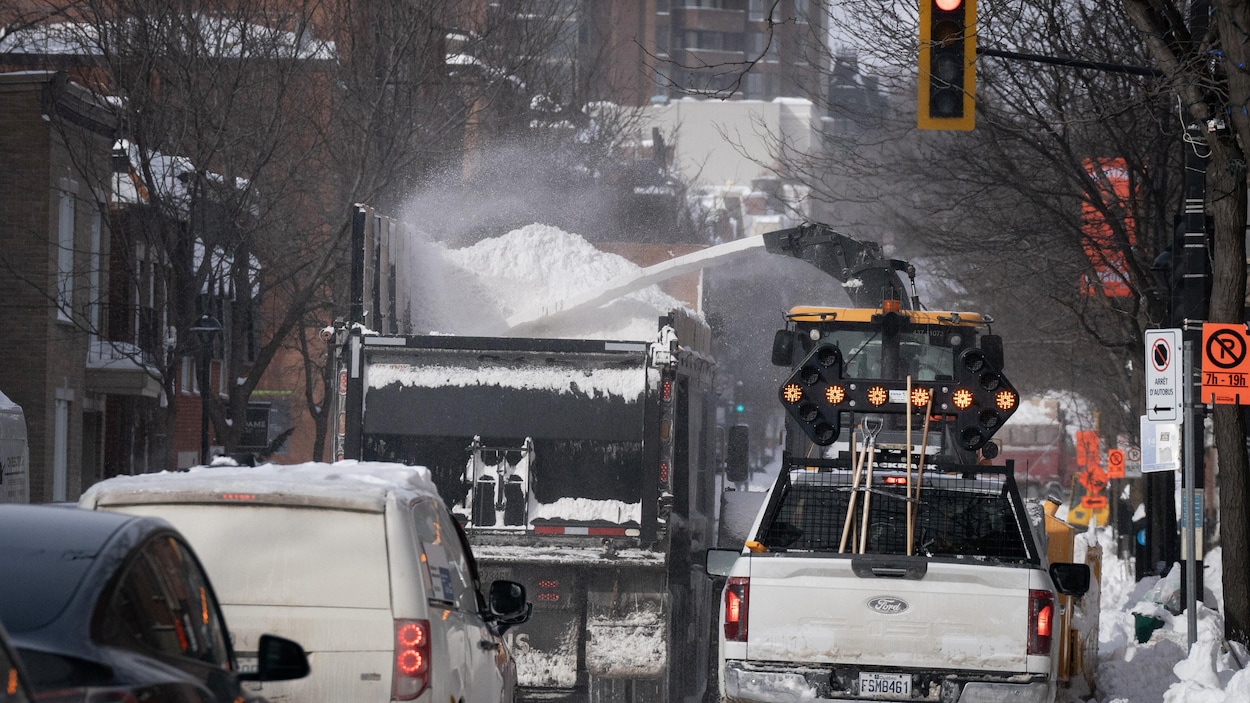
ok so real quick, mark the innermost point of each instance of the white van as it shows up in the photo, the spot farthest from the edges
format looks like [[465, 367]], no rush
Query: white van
[[14, 454], [360, 562]]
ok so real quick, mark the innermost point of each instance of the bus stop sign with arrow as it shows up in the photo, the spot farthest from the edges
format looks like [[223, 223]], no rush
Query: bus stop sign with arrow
[[1164, 393]]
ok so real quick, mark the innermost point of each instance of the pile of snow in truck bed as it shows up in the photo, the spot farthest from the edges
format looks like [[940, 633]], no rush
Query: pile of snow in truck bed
[[474, 290]]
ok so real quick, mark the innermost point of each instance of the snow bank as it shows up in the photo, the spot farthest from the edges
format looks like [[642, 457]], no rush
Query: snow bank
[[1161, 669]]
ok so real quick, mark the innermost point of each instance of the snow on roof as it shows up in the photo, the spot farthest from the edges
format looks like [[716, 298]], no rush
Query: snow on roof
[[347, 483], [474, 290], [103, 354], [628, 383]]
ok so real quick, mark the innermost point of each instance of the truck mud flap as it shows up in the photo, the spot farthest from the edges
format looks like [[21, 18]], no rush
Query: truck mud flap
[[545, 650]]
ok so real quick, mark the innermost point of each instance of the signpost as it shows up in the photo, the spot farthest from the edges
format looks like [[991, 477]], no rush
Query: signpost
[[1163, 375]]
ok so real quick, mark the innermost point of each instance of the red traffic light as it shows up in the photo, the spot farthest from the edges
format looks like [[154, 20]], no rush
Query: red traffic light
[[947, 64]]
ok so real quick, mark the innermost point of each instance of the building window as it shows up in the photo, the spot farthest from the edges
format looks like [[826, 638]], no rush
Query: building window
[[755, 45], [802, 11], [93, 277], [755, 9], [754, 87], [187, 378], [60, 447], [65, 257]]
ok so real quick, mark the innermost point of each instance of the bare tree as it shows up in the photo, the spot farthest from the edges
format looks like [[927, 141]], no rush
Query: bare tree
[[1021, 212], [1208, 71]]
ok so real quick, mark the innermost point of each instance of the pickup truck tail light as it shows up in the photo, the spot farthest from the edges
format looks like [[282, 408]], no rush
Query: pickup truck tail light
[[411, 672], [737, 592], [1041, 621]]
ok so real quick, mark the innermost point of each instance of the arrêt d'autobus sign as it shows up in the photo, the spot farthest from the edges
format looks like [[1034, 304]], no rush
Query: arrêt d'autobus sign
[[1164, 393]]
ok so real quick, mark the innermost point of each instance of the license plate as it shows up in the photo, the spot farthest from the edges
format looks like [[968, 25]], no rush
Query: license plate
[[248, 664], [872, 683]]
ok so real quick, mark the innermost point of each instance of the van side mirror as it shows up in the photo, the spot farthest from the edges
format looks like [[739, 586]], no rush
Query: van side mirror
[[783, 348], [507, 603], [992, 345], [278, 659], [1070, 579]]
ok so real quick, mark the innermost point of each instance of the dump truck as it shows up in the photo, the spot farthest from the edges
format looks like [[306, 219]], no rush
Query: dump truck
[[947, 586], [586, 469]]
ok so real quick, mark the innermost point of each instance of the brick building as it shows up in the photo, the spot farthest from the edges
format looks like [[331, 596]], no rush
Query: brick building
[[55, 145]]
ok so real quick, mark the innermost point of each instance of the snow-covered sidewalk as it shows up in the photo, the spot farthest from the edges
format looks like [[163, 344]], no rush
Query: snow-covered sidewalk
[[1161, 669]]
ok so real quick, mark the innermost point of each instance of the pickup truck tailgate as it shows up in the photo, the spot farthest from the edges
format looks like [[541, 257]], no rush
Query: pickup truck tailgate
[[953, 616]]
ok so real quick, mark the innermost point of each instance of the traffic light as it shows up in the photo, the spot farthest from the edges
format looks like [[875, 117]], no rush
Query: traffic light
[[737, 454], [948, 69]]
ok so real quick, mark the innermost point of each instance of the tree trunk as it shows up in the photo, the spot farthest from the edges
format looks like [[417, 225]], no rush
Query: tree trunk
[[1226, 203]]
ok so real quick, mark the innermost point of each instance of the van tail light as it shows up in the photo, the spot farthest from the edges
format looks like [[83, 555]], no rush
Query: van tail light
[[411, 673], [737, 592], [1041, 621]]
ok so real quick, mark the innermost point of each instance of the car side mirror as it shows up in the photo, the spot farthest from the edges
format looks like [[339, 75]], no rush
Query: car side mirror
[[278, 659], [1070, 579], [507, 602]]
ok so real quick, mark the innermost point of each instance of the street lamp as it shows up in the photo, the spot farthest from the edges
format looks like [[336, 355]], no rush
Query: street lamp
[[205, 328]]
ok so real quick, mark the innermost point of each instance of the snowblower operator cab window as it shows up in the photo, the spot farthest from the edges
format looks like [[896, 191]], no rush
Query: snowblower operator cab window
[[926, 354]]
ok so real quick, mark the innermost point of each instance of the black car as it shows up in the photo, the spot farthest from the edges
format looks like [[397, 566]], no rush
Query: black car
[[109, 607]]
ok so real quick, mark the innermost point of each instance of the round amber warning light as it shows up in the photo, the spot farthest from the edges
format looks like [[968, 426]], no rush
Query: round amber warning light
[[962, 398], [835, 394], [792, 393], [1006, 400], [920, 397], [877, 395]]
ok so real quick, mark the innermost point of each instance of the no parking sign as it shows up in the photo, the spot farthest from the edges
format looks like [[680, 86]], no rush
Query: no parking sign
[[1225, 364], [1115, 463]]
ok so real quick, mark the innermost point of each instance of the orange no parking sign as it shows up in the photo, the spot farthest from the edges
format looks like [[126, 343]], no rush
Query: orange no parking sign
[[1225, 364], [1115, 463]]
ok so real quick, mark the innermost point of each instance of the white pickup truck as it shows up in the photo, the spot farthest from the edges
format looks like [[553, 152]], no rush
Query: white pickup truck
[[843, 593]]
